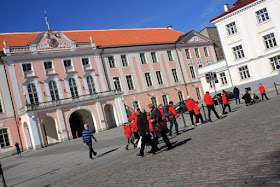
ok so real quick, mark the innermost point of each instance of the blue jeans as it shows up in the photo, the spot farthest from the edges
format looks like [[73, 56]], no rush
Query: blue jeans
[[173, 121], [236, 97]]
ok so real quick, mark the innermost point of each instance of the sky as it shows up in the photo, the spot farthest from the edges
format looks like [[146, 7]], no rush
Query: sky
[[183, 15]]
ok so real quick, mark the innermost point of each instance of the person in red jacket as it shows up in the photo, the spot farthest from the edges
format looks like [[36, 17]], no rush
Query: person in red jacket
[[133, 123], [172, 118], [197, 113], [262, 91], [150, 123], [225, 102], [127, 133], [160, 108], [190, 105], [210, 105]]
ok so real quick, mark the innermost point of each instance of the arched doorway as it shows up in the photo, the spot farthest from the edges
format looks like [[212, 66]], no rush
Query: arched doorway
[[50, 130], [110, 117], [27, 136], [77, 121]]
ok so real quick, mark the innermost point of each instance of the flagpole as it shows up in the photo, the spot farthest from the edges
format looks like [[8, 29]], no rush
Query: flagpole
[[46, 19]]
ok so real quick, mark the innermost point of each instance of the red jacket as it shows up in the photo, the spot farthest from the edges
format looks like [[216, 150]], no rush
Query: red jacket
[[161, 112], [262, 89], [196, 110], [173, 112], [150, 123], [134, 124], [224, 98], [208, 100], [189, 104], [127, 131]]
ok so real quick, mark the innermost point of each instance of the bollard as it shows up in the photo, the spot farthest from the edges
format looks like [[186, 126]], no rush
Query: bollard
[[276, 88], [2, 176], [204, 113]]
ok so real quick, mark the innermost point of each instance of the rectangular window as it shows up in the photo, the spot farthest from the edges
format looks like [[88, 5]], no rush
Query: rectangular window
[[143, 58], [175, 76], [206, 51], [164, 99], [154, 101], [129, 82], [231, 28], [223, 78], [200, 66], [117, 83], [262, 15], [269, 41], [180, 95], [67, 63], [135, 104], [197, 90], [26, 67], [154, 57], [170, 56], [1, 109], [238, 52], [112, 63], [159, 77], [244, 72], [4, 138], [188, 54], [85, 61], [192, 72], [211, 84], [48, 65], [197, 54], [275, 61], [148, 79], [124, 60]]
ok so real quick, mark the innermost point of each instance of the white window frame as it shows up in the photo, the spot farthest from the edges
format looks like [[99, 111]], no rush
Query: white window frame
[[262, 16], [244, 72], [71, 63], [162, 81], [175, 76], [223, 78], [112, 63], [206, 52], [231, 28], [48, 68], [9, 138], [188, 53], [77, 88], [148, 79], [269, 41], [238, 52], [167, 99], [91, 85], [57, 89], [133, 85], [145, 59], [33, 96], [28, 71], [127, 62], [197, 53], [2, 105], [182, 94], [193, 73], [198, 93], [138, 104], [155, 57], [274, 61], [155, 101], [170, 56], [113, 78]]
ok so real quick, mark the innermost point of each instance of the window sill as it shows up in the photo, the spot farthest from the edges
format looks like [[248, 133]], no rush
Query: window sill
[[264, 22], [144, 64], [113, 67], [232, 35], [30, 76], [90, 69], [86, 65], [271, 48], [51, 74], [240, 59], [69, 72]]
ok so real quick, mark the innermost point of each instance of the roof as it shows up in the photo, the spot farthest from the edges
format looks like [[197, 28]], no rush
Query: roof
[[102, 38], [235, 7]]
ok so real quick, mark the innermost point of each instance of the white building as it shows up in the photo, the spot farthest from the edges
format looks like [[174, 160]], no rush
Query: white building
[[249, 34]]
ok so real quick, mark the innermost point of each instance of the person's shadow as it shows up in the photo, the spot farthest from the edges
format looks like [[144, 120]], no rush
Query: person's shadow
[[174, 145]]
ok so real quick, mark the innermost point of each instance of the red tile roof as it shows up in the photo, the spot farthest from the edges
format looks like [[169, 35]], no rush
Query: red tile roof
[[102, 38], [234, 8]]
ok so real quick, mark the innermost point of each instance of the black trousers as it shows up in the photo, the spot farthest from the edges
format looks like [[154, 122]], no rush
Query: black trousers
[[192, 115], [211, 107], [146, 139], [199, 116], [264, 94], [165, 139], [224, 108], [89, 144]]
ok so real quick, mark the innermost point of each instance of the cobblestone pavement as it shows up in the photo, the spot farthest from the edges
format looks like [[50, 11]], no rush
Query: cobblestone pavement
[[242, 149]]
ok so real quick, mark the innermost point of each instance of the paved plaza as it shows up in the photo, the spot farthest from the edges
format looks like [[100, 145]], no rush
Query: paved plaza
[[242, 149]]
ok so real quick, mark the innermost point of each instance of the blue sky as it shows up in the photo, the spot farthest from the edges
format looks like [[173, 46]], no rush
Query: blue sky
[[183, 15]]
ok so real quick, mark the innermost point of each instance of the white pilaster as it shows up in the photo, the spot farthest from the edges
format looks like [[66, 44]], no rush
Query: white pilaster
[[62, 125]]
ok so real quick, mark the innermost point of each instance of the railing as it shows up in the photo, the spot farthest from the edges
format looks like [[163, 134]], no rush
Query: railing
[[71, 100]]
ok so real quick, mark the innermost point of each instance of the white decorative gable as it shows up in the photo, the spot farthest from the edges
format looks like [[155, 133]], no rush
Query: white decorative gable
[[193, 38]]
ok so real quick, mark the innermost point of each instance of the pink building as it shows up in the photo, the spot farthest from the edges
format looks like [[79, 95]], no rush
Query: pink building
[[62, 80]]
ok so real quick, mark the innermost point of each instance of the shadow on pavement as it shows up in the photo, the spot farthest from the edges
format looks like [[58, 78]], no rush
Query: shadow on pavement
[[181, 143], [11, 166], [103, 154]]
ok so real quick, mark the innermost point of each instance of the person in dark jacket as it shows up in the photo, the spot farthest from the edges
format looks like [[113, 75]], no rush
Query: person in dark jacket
[[236, 95], [87, 136], [247, 98], [143, 129], [156, 117], [18, 149]]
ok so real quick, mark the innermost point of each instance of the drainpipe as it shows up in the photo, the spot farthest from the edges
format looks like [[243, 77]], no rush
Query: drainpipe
[[17, 120]]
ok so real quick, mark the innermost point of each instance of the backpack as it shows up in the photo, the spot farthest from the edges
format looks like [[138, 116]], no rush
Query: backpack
[[166, 112]]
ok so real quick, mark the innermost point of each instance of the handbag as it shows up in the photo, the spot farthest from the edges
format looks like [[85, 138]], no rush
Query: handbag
[[161, 127]]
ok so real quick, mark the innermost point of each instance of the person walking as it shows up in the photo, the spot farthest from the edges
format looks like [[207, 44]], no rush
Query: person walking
[[236, 94], [190, 106], [133, 123], [262, 91], [87, 136], [128, 134], [18, 149], [143, 129], [197, 113], [225, 102], [151, 128], [160, 108], [172, 118], [155, 118], [210, 105]]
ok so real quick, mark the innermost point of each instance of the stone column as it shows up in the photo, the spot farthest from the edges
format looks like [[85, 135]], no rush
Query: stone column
[[35, 131], [101, 117]]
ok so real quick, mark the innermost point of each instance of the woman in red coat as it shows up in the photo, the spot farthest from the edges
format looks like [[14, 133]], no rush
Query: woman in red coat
[[197, 113], [225, 102], [150, 123], [127, 133], [262, 91]]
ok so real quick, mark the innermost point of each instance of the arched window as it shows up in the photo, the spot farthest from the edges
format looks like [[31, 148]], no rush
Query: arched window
[[73, 88], [54, 91], [91, 85], [33, 95]]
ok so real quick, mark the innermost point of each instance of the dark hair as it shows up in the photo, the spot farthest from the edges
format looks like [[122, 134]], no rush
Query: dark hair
[[207, 92], [170, 102]]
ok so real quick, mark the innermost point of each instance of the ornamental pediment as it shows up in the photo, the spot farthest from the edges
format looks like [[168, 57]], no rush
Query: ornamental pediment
[[193, 38], [54, 41]]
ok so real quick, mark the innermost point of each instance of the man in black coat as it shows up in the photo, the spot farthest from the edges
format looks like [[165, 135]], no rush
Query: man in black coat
[[143, 129], [236, 95]]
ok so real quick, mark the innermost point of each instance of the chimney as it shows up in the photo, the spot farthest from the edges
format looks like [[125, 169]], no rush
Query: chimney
[[226, 7], [169, 27]]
